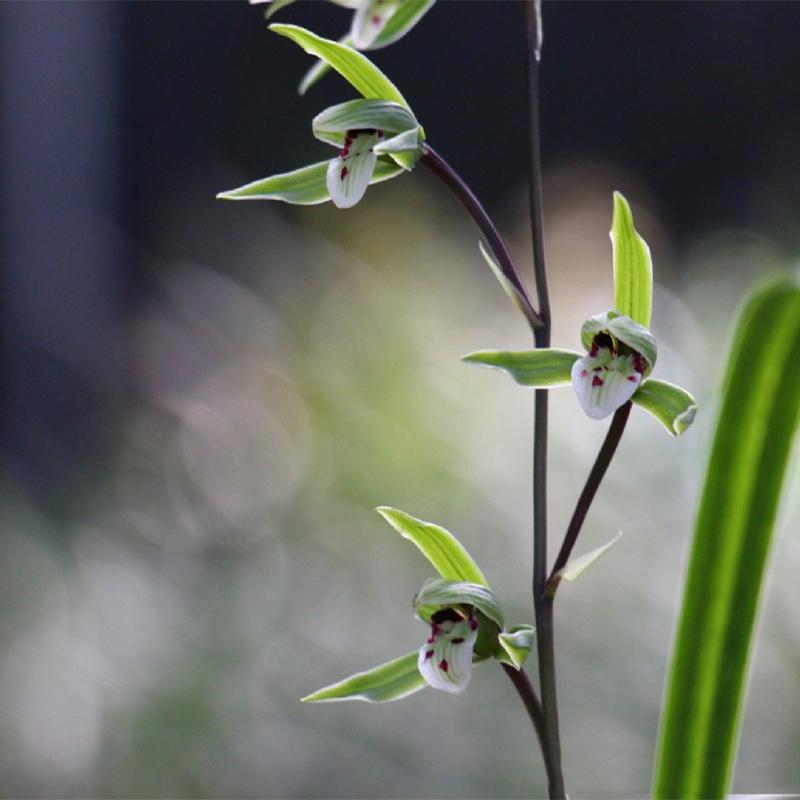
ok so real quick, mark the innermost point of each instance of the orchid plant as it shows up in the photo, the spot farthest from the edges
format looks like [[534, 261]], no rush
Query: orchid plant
[[377, 137]]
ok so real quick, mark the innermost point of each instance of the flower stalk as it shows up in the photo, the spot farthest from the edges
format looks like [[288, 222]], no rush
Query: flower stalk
[[453, 181]]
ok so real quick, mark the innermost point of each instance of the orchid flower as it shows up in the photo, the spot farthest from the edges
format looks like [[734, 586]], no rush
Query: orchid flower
[[621, 351], [466, 625], [377, 136], [375, 24]]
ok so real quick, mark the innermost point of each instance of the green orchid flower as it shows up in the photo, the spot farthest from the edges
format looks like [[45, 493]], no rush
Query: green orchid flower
[[465, 619], [377, 137], [375, 24], [621, 351]]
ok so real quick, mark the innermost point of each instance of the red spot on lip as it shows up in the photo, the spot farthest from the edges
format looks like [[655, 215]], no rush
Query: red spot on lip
[[429, 655], [344, 173], [632, 378], [597, 381], [459, 640], [443, 665], [584, 373]]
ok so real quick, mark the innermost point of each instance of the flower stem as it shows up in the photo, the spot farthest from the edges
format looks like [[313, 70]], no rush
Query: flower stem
[[601, 464], [533, 706], [445, 173], [545, 637]]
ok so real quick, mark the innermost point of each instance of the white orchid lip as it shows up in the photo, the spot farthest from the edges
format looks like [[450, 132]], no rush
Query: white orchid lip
[[445, 660], [349, 174]]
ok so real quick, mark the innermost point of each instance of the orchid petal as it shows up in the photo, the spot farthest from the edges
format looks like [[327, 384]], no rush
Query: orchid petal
[[445, 660], [349, 174], [369, 21], [604, 382]]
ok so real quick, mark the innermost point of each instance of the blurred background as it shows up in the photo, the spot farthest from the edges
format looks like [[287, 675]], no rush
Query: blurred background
[[203, 401]]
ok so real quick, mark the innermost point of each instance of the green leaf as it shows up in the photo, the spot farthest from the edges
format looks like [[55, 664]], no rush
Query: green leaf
[[391, 681], [579, 565], [633, 267], [539, 368], [439, 546], [672, 406], [440, 592], [304, 186], [333, 123], [516, 644], [354, 67], [747, 468]]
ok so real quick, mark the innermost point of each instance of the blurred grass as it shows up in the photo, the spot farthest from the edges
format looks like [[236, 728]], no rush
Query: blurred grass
[[232, 562]]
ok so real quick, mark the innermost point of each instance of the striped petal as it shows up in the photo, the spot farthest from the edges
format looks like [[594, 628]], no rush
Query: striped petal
[[349, 174], [445, 660], [604, 382], [369, 21]]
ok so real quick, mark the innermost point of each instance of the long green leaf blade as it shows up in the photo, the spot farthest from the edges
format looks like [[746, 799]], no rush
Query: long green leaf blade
[[758, 417], [354, 67], [446, 554], [391, 681], [633, 267]]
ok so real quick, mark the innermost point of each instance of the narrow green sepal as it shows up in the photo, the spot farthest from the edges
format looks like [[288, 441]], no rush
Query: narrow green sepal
[[304, 186], [353, 66], [391, 681], [445, 553], [633, 266], [538, 368], [516, 644], [438, 592], [672, 406]]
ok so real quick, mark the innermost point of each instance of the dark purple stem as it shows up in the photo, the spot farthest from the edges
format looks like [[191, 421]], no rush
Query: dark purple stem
[[445, 173], [533, 706], [601, 464]]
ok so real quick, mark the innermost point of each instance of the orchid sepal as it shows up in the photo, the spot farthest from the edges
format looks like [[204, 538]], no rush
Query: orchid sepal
[[304, 186]]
